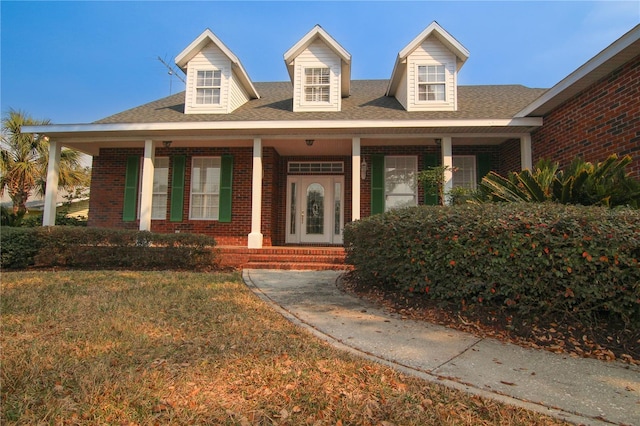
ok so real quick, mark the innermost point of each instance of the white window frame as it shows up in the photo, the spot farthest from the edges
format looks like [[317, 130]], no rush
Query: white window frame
[[210, 192], [432, 79], [459, 170], [209, 86], [157, 213], [159, 209], [387, 194], [315, 83]]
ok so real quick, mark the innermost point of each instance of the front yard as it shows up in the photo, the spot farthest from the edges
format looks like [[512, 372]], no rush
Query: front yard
[[187, 348]]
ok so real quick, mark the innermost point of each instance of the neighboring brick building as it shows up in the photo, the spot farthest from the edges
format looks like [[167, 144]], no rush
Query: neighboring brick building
[[262, 164]]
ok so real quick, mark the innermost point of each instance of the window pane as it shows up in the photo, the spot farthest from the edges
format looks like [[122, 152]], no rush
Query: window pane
[[205, 188], [208, 78], [317, 84], [315, 209], [399, 201], [431, 92], [400, 181], [464, 174], [160, 187]]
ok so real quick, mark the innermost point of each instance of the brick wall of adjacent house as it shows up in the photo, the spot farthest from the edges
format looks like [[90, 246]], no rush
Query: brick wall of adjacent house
[[601, 120], [107, 195]]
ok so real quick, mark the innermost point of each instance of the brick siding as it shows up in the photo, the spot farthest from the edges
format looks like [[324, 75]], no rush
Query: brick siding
[[107, 195], [601, 120]]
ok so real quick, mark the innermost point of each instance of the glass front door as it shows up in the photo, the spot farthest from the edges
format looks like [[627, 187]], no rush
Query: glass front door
[[314, 209]]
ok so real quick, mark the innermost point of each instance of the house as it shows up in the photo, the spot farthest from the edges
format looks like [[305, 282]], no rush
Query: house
[[289, 163]]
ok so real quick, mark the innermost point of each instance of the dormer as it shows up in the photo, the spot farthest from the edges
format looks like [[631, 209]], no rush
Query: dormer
[[217, 83], [425, 75], [320, 71]]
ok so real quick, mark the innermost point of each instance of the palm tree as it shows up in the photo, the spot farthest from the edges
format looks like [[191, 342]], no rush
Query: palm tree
[[24, 159]]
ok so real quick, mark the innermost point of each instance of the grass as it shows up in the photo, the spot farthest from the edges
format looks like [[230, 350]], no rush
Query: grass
[[145, 348]]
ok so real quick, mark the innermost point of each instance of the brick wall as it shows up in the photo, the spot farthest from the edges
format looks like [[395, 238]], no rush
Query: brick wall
[[509, 157], [601, 120], [107, 195]]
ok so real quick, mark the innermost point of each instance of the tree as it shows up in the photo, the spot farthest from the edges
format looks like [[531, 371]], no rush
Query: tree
[[24, 160]]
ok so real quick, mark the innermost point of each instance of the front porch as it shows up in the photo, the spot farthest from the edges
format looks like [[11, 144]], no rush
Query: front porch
[[284, 257]]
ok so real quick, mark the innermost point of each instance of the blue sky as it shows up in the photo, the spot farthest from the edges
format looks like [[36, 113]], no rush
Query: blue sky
[[76, 62]]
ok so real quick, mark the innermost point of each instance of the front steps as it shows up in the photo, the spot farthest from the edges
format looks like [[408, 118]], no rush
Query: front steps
[[300, 258]]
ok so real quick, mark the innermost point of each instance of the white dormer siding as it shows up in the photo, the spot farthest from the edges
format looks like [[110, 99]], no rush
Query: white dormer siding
[[316, 56], [320, 71], [429, 54], [232, 94], [425, 75], [217, 83]]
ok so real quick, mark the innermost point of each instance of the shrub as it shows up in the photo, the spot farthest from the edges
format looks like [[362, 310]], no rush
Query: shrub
[[35, 220], [545, 260], [605, 184], [80, 247], [18, 247]]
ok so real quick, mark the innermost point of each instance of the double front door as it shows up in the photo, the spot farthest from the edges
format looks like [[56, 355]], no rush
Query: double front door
[[315, 209]]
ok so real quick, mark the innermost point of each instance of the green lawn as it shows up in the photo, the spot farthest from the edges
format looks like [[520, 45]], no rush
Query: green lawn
[[193, 348]]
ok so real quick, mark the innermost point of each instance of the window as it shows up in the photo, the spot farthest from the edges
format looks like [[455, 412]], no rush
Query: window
[[400, 175], [316, 84], [315, 167], [208, 87], [160, 186], [431, 83], [464, 174], [205, 188]]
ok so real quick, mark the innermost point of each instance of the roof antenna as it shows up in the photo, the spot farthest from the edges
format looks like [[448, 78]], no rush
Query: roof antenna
[[171, 72]]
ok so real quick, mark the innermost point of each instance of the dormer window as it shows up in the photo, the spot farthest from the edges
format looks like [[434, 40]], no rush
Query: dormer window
[[431, 83], [316, 87], [425, 76], [217, 83], [320, 71], [208, 85]]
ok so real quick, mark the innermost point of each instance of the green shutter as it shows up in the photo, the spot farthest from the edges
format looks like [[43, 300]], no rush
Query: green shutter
[[130, 189], [377, 184], [177, 188], [483, 166], [430, 160], [226, 184]]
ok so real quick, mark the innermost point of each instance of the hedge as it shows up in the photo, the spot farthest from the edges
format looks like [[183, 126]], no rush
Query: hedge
[[533, 260], [100, 248]]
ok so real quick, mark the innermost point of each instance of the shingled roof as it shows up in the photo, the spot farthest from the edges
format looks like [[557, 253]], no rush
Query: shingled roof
[[367, 102]]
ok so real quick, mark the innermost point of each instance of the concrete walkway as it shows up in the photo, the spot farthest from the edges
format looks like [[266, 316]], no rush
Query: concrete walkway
[[581, 391]]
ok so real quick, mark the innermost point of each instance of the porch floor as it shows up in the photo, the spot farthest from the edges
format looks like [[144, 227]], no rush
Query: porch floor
[[283, 257]]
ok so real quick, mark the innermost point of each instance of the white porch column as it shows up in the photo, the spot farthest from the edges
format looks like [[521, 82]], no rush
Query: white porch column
[[355, 178], [147, 185], [255, 237], [51, 191], [447, 160], [526, 158]]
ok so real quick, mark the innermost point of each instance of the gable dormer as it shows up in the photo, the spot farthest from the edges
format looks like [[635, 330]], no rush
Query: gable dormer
[[320, 70], [217, 83], [425, 75]]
